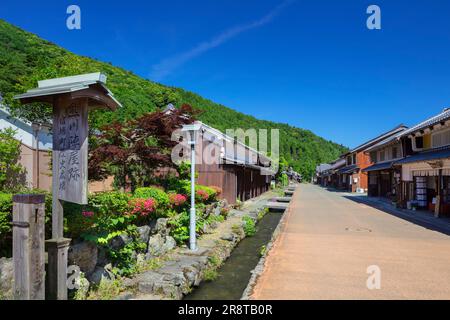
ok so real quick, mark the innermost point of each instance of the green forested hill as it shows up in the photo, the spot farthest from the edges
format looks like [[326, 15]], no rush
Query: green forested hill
[[26, 58]]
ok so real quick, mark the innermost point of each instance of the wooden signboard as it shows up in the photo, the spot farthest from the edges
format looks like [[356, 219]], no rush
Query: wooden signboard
[[70, 150], [70, 97]]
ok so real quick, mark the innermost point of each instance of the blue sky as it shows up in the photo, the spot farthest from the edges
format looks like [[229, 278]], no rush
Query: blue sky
[[310, 63]]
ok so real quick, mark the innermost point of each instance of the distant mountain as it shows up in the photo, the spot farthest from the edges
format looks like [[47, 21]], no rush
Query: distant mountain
[[25, 58]]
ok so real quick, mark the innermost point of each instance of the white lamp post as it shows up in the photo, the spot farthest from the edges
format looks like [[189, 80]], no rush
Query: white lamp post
[[192, 130]]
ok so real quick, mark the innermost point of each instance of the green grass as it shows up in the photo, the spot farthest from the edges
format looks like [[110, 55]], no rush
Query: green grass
[[263, 250], [262, 213], [210, 274], [106, 290], [214, 261], [249, 226]]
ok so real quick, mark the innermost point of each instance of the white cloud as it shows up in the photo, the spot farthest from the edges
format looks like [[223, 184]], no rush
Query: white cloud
[[168, 65]]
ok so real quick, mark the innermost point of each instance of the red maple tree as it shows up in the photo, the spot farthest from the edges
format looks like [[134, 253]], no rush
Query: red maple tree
[[131, 151]]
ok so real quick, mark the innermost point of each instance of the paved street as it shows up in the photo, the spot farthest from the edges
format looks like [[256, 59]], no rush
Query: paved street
[[328, 241]]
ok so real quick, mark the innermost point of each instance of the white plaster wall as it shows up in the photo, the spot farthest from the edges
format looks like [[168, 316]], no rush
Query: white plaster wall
[[24, 132]]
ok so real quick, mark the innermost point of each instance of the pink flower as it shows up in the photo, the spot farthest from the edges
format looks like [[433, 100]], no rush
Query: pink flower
[[203, 194], [87, 214], [142, 207], [177, 199]]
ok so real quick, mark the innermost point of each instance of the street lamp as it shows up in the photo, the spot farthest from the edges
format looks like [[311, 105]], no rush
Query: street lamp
[[192, 130]]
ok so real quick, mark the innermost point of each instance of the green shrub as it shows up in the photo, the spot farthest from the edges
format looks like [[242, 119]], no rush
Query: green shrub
[[75, 224], [184, 171], [123, 258], [179, 227], [213, 218], [212, 193], [283, 180], [106, 206], [262, 213], [185, 188], [105, 217], [162, 198], [109, 214], [172, 183], [210, 274], [249, 226], [5, 223], [108, 218], [179, 223], [112, 202]]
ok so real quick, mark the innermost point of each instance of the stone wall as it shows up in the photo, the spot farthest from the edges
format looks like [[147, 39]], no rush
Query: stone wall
[[185, 269], [93, 260]]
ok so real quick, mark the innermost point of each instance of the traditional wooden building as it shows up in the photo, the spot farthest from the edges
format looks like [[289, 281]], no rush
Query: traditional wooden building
[[354, 177], [408, 166], [345, 173], [425, 169], [327, 174], [383, 177], [321, 177], [335, 180], [223, 161]]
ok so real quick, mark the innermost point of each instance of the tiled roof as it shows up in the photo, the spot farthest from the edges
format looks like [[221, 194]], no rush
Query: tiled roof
[[349, 169], [426, 156], [443, 116], [323, 167], [338, 164], [383, 136], [379, 166], [387, 141]]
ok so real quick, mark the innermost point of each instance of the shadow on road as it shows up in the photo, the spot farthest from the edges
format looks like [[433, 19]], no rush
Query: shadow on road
[[330, 189], [431, 223]]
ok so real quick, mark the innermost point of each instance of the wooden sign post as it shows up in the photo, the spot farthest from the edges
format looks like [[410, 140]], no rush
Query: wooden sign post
[[28, 246], [71, 98], [69, 158]]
